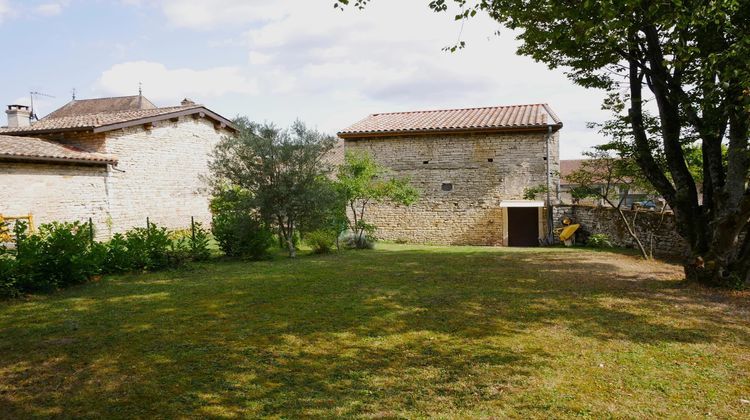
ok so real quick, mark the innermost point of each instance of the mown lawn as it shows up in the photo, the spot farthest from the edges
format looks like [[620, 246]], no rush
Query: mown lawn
[[402, 331]]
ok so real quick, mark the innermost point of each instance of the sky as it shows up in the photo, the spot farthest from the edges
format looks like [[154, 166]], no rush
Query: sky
[[280, 60]]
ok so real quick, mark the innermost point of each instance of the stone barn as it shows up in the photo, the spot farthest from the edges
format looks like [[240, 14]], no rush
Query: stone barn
[[114, 160], [472, 166]]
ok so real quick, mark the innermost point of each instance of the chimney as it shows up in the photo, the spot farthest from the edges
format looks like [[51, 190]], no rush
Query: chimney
[[18, 116], [187, 102]]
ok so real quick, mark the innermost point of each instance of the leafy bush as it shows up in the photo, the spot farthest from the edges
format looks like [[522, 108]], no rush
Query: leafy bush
[[599, 240], [321, 241], [150, 248], [241, 235], [63, 254], [8, 271], [59, 255], [357, 241], [198, 242]]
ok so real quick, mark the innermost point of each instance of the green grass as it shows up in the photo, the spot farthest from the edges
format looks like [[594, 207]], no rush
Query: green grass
[[403, 331]]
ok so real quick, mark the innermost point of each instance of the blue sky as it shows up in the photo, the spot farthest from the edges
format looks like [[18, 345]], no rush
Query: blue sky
[[278, 60]]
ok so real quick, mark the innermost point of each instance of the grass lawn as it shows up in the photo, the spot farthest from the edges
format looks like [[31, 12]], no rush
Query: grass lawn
[[402, 331]]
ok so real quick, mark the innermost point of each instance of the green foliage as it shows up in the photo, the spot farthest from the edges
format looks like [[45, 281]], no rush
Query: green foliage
[[63, 254], [58, 255], [360, 181], [531, 193], [599, 240], [148, 248], [281, 176], [321, 241], [198, 242], [8, 273], [241, 235], [691, 60]]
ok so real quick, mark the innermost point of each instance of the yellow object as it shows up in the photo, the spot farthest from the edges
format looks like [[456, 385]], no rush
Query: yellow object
[[5, 230], [568, 232]]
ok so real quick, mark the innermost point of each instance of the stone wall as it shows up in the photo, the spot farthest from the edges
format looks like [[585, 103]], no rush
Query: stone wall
[[482, 170], [158, 175], [666, 240], [54, 192]]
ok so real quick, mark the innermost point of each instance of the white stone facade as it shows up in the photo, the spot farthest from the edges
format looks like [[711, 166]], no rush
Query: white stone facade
[[158, 175], [480, 170]]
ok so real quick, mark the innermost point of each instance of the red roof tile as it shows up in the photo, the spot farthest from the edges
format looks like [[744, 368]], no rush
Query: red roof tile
[[98, 105], [106, 121], [568, 166], [41, 150], [499, 118]]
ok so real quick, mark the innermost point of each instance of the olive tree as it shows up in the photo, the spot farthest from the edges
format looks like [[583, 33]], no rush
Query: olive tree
[[282, 173]]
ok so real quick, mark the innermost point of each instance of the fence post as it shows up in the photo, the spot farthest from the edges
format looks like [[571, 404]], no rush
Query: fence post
[[91, 230], [192, 228]]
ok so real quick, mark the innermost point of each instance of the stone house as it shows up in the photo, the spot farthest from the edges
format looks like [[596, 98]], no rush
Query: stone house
[[564, 193], [472, 167], [114, 160]]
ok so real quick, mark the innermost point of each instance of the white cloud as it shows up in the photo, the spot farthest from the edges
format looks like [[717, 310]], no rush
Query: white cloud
[[170, 85], [5, 10], [49, 9], [201, 14], [332, 67]]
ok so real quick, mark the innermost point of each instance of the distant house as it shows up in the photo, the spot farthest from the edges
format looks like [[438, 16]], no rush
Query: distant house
[[115, 160], [569, 166], [471, 166]]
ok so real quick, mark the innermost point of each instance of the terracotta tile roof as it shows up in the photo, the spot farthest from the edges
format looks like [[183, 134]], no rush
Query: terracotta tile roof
[[99, 105], [41, 150], [106, 121], [568, 166], [499, 118]]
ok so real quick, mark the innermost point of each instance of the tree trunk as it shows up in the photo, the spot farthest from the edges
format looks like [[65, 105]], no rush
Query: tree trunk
[[726, 263], [290, 241]]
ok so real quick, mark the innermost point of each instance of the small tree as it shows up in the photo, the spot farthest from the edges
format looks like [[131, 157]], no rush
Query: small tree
[[361, 181], [283, 173], [610, 179]]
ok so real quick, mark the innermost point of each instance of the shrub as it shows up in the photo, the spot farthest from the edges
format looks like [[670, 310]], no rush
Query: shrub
[[321, 241], [599, 240], [241, 235], [8, 271], [356, 241], [150, 248], [198, 242], [63, 254], [59, 255], [117, 258]]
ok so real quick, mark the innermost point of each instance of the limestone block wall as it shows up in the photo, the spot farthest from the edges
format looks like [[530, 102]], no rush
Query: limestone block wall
[[54, 192], [666, 240], [159, 176], [159, 173], [481, 170]]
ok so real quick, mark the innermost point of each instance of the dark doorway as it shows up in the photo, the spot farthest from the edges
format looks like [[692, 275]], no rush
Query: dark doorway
[[523, 226]]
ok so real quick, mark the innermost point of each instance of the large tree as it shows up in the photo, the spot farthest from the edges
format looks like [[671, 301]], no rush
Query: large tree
[[689, 60], [282, 173]]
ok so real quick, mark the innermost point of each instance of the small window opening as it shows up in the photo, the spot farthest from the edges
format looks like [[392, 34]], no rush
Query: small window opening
[[447, 186], [490, 160], [425, 162]]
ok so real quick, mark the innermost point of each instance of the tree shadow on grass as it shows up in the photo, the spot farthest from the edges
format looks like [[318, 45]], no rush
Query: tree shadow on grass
[[383, 332]]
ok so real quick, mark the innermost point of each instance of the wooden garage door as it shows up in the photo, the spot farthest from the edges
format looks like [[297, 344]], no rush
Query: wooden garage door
[[523, 226]]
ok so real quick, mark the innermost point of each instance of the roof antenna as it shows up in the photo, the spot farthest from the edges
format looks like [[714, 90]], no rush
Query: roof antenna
[[140, 89], [74, 94], [32, 115]]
